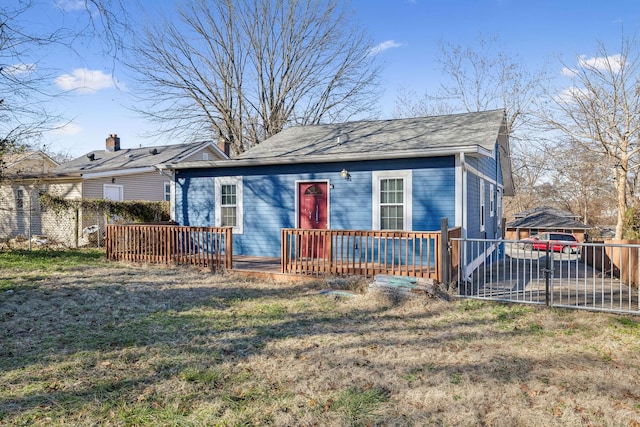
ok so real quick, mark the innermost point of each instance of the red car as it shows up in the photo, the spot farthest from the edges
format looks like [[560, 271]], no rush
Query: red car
[[558, 242]]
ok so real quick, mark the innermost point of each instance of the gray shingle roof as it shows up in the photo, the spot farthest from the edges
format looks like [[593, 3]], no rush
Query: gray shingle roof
[[547, 209], [546, 220], [383, 136], [472, 133], [129, 158]]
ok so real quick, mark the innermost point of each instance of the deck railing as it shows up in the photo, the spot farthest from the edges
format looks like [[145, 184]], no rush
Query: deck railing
[[363, 252], [170, 244]]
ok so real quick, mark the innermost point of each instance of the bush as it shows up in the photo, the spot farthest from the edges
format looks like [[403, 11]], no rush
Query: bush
[[128, 210], [631, 224]]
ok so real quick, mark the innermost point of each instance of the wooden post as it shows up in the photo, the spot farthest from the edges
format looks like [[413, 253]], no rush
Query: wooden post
[[229, 239], [444, 251], [76, 228]]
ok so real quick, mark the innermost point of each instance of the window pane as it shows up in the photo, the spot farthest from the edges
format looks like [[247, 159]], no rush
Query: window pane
[[228, 195], [167, 192], [228, 217], [391, 218], [391, 191], [19, 199], [392, 204]]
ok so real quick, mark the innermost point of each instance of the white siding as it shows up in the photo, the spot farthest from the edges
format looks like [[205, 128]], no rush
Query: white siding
[[213, 155], [56, 226], [141, 186]]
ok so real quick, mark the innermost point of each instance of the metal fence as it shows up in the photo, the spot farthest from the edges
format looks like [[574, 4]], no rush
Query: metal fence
[[594, 276], [28, 225]]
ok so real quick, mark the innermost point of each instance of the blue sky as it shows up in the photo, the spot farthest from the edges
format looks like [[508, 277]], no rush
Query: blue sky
[[407, 32]]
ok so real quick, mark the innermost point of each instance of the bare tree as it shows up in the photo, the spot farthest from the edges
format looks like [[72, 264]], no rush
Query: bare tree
[[25, 80], [530, 167], [21, 88], [601, 113], [578, 183], [241, 71], [482, 77]]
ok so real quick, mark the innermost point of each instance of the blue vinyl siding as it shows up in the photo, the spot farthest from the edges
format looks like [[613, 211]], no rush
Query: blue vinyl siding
[[473, 207], [434, 194], [489, 168], [195, 201], [269, 197]]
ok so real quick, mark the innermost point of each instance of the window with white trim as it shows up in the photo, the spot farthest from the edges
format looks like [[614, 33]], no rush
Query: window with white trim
[[499, 205], [19, 199], [392, 200], [228, 203], [492, 200], [482, 222], [41, 206], [167, 191], [205, 156], [113, 192]]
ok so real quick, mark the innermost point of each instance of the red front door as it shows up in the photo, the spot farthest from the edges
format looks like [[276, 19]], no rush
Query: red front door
[[312, 215]]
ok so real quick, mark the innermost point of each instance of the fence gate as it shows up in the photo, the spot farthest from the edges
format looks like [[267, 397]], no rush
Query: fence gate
[[592, 276]]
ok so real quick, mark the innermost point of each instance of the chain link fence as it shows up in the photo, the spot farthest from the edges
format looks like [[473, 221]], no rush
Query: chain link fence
[[25, 224]]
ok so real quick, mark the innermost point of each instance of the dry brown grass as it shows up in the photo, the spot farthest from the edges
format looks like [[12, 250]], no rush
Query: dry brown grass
[[128, 345]]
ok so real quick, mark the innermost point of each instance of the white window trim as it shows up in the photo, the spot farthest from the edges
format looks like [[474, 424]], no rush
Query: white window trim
[[482, 206], [229, 180], [492, 200], [164, 191], [407, 175], [205, 156], [20, 192], [119, 187], [499, 206]]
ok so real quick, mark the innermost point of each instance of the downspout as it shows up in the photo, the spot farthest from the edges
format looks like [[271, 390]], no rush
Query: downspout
[[463, 233], [463, 167], [496, 220]]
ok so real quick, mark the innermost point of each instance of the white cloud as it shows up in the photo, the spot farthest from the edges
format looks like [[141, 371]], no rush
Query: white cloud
[[71, 5], [614, 62], [67, 129], [84, 81], [569, 72], [571, 95], [389, 44], [18, 69]]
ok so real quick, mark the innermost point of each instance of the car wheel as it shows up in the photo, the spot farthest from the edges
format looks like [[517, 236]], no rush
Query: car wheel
[[528, 246], [566, 249]]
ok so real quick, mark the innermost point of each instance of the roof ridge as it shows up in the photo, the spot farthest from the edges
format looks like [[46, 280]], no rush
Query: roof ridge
[[400, 118]]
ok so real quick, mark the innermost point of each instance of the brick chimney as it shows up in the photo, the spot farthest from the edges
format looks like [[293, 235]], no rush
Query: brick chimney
[[113, 142], [224, 145]]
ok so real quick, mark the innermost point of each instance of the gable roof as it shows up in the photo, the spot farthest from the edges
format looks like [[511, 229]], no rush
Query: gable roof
[[473, 133], [131, 158], [461, 132], [27, 164], [547, 209], [546, 220]]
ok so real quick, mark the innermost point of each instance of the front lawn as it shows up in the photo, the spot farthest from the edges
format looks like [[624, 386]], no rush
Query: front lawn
[[90, 343]]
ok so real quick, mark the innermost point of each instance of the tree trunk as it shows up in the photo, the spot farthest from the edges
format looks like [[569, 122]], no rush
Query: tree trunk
[[621, 185]]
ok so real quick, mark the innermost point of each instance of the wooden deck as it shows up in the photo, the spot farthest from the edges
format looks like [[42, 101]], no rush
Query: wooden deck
[[256, 264], [305, 254], [264, 268], [366, 253]]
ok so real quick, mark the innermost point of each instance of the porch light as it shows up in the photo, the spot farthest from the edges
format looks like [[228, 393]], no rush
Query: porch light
[[345, 175]]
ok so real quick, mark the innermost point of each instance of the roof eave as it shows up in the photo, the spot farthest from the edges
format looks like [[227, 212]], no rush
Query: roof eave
[[115, 172], [325, 158]]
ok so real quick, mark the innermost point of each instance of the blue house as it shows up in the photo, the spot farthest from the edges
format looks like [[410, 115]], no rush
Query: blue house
[[403, 174]]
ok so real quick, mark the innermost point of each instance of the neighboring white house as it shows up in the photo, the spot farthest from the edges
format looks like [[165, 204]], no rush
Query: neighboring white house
[[114, 173]]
